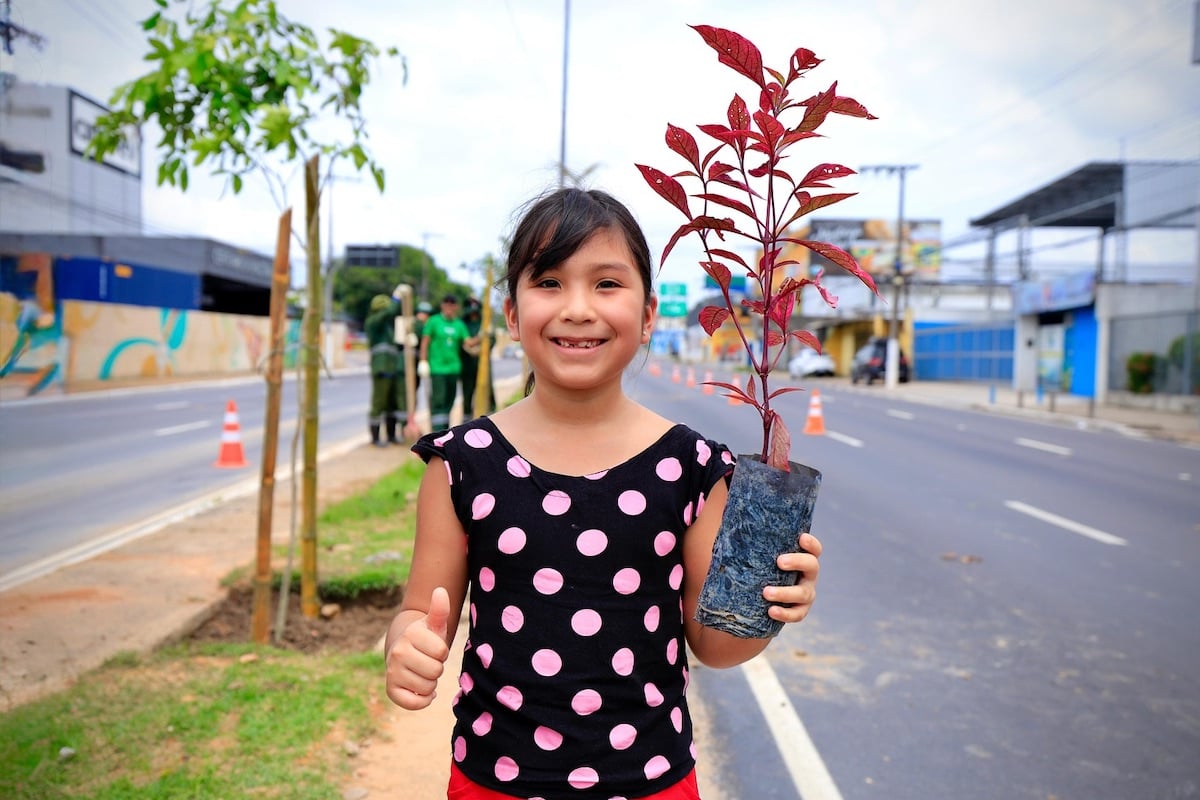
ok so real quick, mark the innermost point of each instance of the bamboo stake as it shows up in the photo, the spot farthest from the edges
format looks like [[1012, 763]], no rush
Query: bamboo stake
[[310, 604], [261, 619]]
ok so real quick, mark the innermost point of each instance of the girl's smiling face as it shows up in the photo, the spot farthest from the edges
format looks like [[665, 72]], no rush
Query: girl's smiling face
[[583, 321]]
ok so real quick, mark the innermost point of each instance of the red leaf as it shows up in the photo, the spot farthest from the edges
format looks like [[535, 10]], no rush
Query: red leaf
[[712, 317], [669, 188], [802, 61], [718, 272], [729, 255], [728, 202], [785, 390], [840, 257], [738, 114], [808, 338], [819, 107], [771, 128], [701, 223], [781, 309], [734, 51], [774, 338], [792, 137], [780, 451], [725, 180], [718, 169], [808, 203], [751, 391], [684, 144], [736, 139], [851, 108], [824, 172]]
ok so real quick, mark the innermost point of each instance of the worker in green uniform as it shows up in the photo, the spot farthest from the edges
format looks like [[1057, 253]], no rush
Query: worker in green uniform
[[441, 338], [388, 402]]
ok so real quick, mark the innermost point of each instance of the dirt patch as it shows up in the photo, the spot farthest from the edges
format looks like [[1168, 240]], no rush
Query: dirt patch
[[354, 627]]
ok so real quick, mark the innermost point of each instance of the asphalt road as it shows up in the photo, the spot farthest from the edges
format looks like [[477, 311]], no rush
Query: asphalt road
[[1007, 610]]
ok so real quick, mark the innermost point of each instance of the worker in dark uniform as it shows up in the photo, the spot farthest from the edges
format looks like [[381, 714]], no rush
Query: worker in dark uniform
[[388, 401]]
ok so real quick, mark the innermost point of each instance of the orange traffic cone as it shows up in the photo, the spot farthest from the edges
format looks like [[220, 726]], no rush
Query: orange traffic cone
[[708, 387], [815, 425], [732, 398], [691, 378], [231, 456], [675, 376], [655, 369]]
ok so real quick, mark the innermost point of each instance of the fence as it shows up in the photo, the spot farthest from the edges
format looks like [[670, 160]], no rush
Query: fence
[[964, 353]]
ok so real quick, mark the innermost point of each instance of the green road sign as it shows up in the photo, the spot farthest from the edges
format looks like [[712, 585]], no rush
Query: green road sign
[[672, 308], [672, 289]]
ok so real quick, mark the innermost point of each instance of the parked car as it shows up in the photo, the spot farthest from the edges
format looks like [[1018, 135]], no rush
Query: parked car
[[870, 362], [809, 363]]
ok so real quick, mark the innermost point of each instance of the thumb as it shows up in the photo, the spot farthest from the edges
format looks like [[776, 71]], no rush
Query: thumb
[[439, 612]]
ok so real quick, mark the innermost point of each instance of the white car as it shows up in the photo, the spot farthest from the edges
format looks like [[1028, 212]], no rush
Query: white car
[[809, 363]]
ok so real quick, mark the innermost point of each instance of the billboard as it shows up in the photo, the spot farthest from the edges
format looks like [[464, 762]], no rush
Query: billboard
[[872, 242]]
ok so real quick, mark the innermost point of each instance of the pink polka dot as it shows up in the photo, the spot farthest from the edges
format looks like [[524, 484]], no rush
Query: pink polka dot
[[664, 543], [656, 767], [687, 514], [484, 652], [687, 679], [547, 581], [727, 456], [585, 622], [591, 542], [669, 469], [510, 697], [627, 581], [654, 697], [586, 702], [651, 619], [703, 452], [487, 579], [460, 749], [449, 474], [482, 505], [621, 737], [595, 476], [482, 725], [675, 579], [474, 614], [583, 778], [478, 438], [547, 738], [512, 618], [622, 661], [699, 504], [677, 719], [692, 749], [511, 541], [672, 651], [632, 502], [518, 467], [445, 437], [556, 503], [546, 663], [506, 769]]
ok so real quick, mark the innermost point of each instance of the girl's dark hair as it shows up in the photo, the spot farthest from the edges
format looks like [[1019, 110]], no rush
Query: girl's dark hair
[[557, 223]]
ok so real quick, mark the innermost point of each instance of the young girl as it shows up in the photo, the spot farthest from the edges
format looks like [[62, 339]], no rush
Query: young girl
[[583, 524]]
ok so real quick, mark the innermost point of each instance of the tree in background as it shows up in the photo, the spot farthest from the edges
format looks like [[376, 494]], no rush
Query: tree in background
[[353, 287], [241, 89]]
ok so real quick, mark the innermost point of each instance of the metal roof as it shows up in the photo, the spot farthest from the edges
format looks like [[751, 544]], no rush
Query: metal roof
[[1085, 198]]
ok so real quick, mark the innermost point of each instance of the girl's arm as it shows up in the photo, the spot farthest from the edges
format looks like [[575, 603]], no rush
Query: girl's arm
[[719, 649], [419, 638]]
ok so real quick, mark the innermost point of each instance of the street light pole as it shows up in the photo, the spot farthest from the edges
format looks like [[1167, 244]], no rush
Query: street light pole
[[562, 131], [892, 366]]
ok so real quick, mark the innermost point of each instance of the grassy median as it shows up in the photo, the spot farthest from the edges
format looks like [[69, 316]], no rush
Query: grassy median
[[225, 719]]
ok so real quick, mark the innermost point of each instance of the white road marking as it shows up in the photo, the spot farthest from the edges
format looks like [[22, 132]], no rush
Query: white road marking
[[173, 406], [898, 414], [1045, 447], [188, 426], [809, 775], [1066, 524], [844, 439]]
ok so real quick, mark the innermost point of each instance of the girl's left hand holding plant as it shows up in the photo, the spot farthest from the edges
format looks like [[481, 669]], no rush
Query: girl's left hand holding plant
[[792, 603]]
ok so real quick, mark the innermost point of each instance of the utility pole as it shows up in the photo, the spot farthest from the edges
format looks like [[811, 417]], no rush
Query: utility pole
[[562, 131], [892, 367]]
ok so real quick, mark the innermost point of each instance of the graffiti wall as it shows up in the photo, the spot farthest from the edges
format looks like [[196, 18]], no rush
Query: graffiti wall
[[79, 345]]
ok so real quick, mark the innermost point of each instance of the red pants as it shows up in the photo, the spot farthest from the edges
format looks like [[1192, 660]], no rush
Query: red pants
[[463, 788]]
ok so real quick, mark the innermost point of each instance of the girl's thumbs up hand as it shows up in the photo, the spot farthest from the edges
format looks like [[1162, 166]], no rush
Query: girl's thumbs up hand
[[418, 656]]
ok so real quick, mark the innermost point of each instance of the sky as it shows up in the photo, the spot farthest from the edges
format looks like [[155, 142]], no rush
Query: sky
[[989, 99]]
